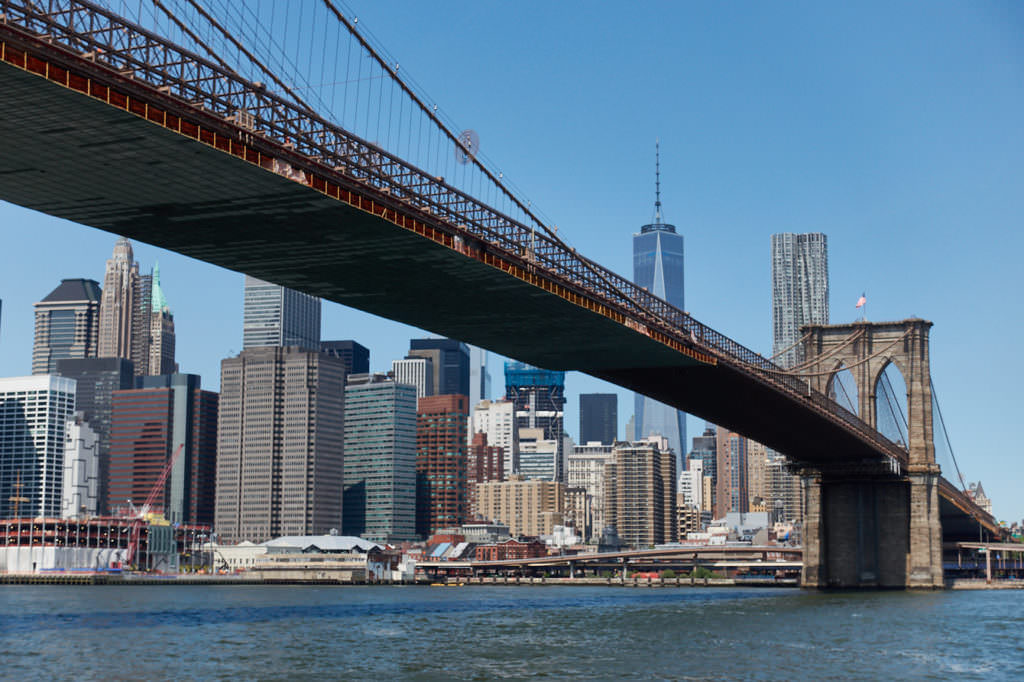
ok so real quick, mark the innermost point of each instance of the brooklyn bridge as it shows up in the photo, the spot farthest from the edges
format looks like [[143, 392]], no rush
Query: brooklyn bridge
[[181, 134]]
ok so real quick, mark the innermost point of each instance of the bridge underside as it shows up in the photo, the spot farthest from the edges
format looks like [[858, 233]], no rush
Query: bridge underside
[[79, 158]]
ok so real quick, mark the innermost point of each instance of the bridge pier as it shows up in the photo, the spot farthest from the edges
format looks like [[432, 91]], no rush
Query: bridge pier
[[925, 557], [862, 532]]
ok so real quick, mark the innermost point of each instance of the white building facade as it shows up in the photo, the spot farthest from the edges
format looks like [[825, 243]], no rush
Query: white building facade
[[81, 469], [418, 372], [497, 418], [34, 412], [586, 470]]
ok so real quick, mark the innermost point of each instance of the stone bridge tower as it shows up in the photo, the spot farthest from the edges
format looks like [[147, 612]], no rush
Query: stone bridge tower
[[874, 528]]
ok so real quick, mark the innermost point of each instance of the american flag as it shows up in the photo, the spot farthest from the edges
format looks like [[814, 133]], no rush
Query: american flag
[[861, 301]]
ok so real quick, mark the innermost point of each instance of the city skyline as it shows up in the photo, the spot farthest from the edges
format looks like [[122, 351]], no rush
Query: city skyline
[[903, 243]]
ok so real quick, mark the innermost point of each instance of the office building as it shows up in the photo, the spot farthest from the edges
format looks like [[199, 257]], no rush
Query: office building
[[279, 444], [479, 375], [539, 399], [380, 459], [705, 449], [799, 291], [121, 309], [658, 268], [497, 419], [691, 484], [148, 424], [757, 484], [578, 516], [442, 464], [731, 488], [278, 316], [80, 481], [160, 330], [586, 471], [539, 457], [688, 517], [141, 326], [67, 324], [528, 508], [355, 355], [486, 464], [135, 321], [640, 492], [34, 412], [450, 360], [784, 493], [418, 372], [96, 379], [599, 418]]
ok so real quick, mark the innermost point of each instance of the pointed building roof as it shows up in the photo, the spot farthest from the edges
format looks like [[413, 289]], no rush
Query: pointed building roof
[[158, 300], [123, 249], [72, 290]]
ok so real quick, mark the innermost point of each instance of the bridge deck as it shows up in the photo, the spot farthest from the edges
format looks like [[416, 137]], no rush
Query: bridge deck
[[79, 158]]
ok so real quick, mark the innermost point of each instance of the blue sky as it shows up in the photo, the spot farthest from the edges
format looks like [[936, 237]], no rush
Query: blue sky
[[892, 127]]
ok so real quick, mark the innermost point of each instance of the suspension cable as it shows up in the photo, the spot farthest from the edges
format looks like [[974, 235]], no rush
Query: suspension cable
[[890, 400], [856, 364], [187, 31], [241, 48], [857, 334], [791, 346], [949, 444], [836, 380], [527, 210]]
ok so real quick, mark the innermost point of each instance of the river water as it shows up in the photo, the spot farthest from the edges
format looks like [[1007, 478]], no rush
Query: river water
[[480, 633]]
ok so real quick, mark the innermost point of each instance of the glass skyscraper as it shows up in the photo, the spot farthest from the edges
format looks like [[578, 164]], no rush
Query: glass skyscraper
[[799, 291], [658, 267], [599, 418], [380, 459], [279, 316]]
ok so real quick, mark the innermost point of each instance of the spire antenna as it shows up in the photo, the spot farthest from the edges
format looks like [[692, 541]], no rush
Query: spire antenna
[[657, 181]]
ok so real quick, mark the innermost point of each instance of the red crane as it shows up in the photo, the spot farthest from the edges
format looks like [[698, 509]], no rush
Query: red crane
[[135, 534]]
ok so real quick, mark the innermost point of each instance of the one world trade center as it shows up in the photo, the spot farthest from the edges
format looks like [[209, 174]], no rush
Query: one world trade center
[[658, 267]]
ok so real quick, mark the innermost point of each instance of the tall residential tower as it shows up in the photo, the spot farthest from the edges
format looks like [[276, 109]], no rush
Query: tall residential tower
[[799, 291]]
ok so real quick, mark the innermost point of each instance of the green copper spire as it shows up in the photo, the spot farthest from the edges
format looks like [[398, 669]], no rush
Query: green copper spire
[[159, 301]]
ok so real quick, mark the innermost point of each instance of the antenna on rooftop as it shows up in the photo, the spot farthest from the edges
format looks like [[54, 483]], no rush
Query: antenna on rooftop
[[657, 181]]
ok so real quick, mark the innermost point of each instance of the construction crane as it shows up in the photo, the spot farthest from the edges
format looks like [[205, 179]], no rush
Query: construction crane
[[142, 513], [18, 498]]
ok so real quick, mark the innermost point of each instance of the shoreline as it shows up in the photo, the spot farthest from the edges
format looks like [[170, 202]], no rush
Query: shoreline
[[959, 584], [33, 579]]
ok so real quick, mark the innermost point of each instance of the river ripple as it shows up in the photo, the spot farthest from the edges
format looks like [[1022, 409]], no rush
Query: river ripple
[[480, 633]]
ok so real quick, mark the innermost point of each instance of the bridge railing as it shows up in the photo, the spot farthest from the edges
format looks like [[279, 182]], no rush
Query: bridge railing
[[309, 143]]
